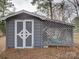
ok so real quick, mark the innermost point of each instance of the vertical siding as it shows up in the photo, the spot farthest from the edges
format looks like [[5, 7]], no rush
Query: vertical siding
[[39, 25], [10, 30], [10, 34], [37, 33]]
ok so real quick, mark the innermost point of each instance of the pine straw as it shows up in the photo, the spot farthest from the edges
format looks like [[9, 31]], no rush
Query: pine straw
[[42, 53]]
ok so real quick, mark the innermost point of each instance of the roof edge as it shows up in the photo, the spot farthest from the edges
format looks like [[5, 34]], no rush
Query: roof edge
[[23, 11], [38, 16]]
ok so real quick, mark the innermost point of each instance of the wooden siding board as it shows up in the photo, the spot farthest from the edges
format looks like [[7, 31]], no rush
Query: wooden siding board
[[37, 34], [10, 30], [10, 34], [38, 29]]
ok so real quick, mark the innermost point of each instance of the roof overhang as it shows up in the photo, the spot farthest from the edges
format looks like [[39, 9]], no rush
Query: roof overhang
[[36, 15], [23, 11]]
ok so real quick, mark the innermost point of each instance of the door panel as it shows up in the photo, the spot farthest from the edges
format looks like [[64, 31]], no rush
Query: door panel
[[19, 41], [28, 41], [24, 33], [19, 26], [29, 26]]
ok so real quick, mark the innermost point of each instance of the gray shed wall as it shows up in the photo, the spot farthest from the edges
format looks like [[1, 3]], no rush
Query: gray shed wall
[[10, 27], [39, 26]]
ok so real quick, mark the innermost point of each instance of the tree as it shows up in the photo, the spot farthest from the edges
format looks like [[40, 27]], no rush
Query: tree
[[4, 10], [76, 21], [58, 11], [4, 7], [75, 4], [45, 6], [61, 7], [64, 10]]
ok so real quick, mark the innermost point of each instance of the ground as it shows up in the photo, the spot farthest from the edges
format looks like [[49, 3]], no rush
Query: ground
[[76, 37], [2, 43], [42, 53]]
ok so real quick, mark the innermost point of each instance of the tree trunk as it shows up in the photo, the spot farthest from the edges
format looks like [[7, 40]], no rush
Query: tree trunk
[[50, 2], [76, 11]]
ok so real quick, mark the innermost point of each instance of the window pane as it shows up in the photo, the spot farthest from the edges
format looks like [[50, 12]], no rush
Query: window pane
[[19, 41]]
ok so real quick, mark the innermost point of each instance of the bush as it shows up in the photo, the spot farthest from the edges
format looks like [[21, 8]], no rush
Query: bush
[[76, 21], [2, 27]]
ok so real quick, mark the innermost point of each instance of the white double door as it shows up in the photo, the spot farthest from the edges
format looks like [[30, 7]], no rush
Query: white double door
[[24, 33]]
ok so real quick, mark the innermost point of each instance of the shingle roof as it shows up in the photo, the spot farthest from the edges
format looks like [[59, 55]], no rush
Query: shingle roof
[[36, 15]]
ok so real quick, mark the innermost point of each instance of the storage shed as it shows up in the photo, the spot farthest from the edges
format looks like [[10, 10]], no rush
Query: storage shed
[[28, 30]]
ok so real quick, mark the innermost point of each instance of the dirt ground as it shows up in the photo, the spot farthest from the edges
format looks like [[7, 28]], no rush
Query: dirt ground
[[42, 53], [2, 43]]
